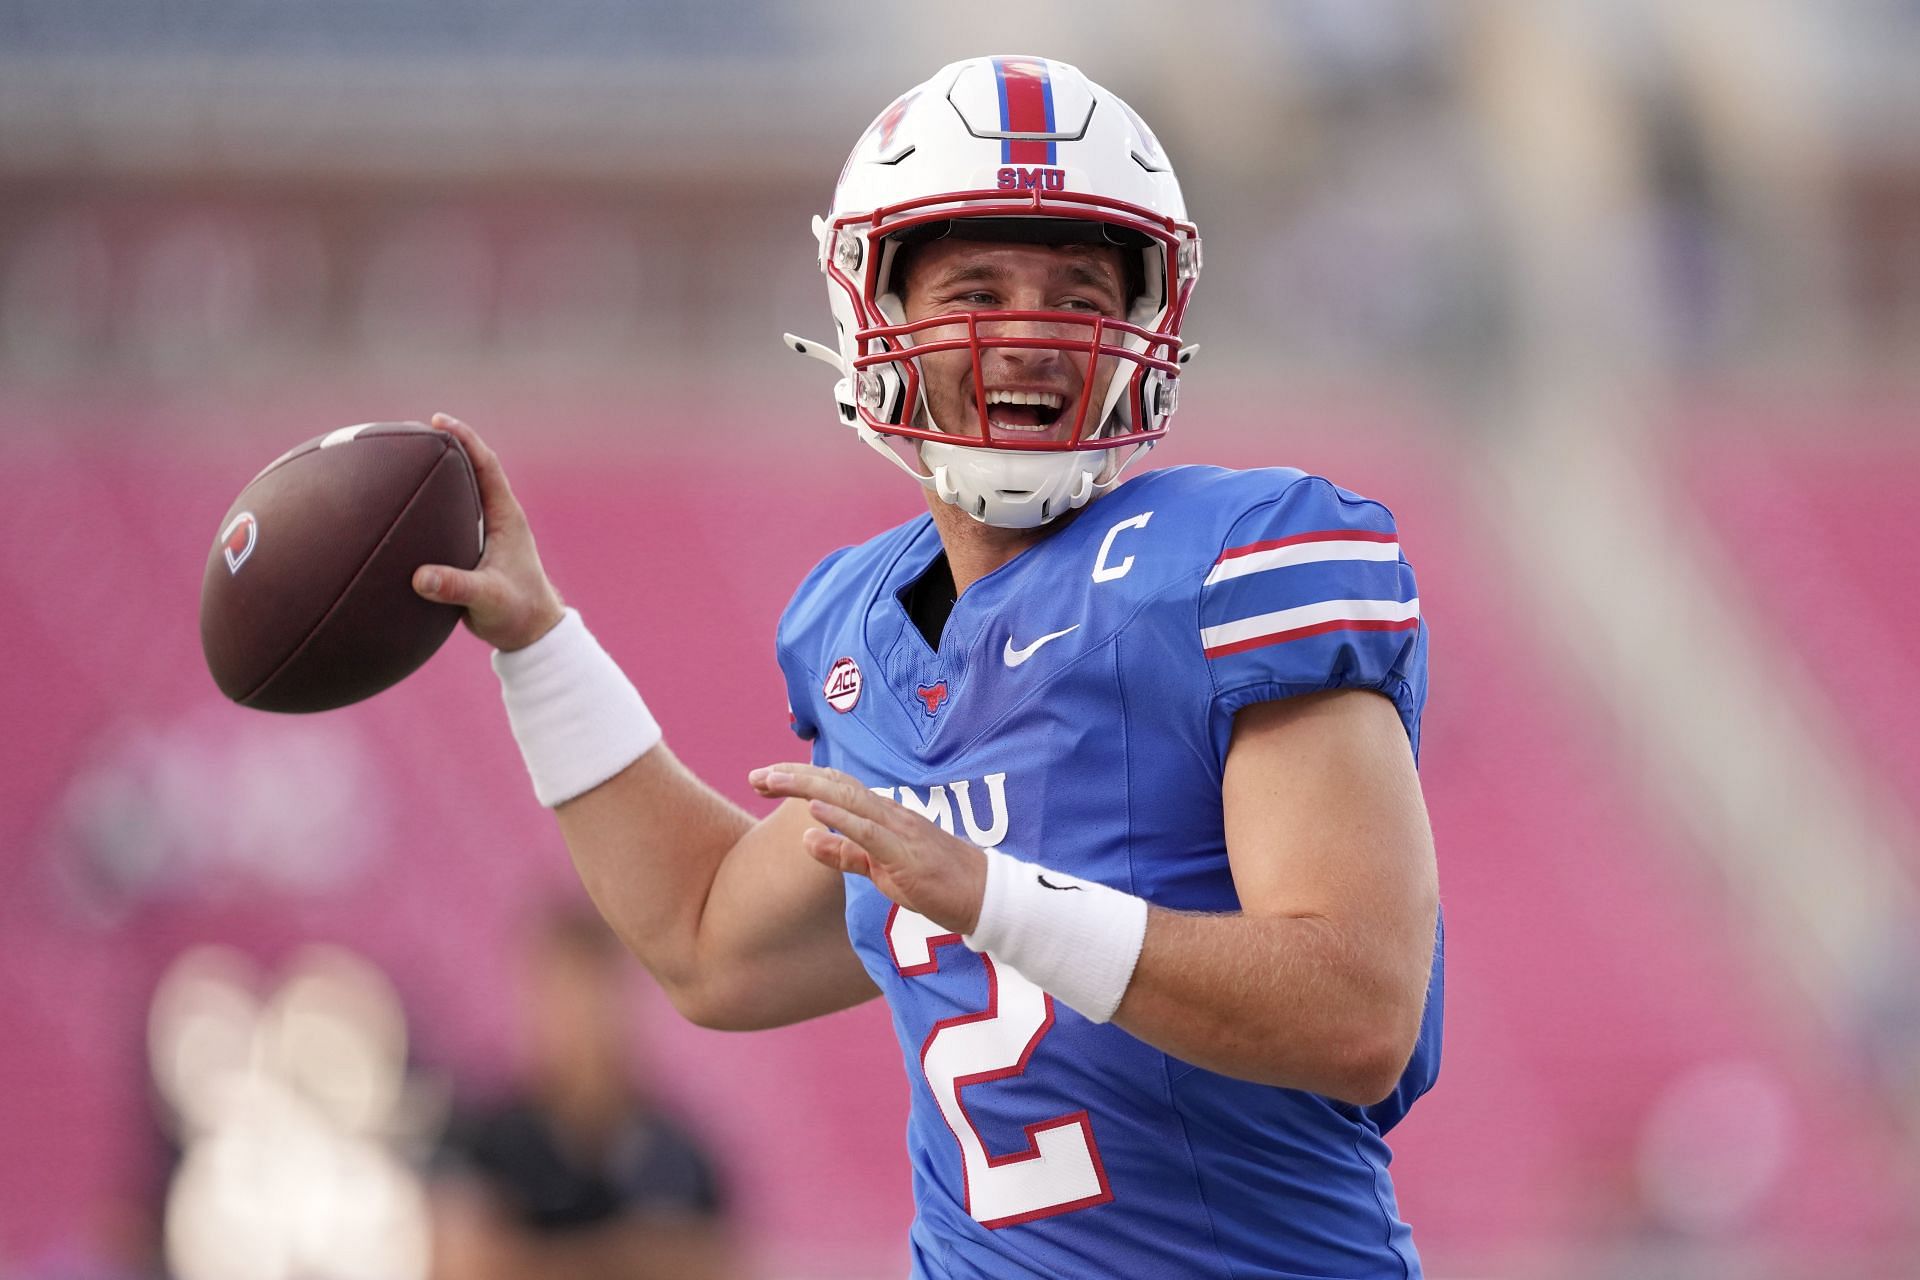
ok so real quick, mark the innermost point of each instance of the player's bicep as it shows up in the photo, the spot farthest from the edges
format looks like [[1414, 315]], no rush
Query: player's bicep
[[1324, 819], [775, 927]]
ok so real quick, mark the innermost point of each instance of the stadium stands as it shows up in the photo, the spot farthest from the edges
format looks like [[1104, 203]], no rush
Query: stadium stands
[[1812, 516]]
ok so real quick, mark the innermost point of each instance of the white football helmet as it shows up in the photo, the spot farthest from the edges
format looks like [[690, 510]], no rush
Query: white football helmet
[[1027, 149]]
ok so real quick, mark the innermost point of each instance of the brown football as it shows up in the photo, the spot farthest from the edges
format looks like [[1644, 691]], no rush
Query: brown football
[[307, 602]]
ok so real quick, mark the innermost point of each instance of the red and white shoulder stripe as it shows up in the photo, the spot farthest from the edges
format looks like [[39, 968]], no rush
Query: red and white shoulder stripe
[[1317, 617], [1304, 548]]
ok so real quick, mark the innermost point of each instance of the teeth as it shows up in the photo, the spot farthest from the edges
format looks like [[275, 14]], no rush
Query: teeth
[[1046, 398]]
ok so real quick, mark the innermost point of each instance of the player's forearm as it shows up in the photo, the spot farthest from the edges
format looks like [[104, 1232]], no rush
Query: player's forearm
[[1298, 1002], [648, 844], [741, 929]]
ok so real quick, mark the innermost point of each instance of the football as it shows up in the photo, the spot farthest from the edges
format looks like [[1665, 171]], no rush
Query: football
[[307, 602]]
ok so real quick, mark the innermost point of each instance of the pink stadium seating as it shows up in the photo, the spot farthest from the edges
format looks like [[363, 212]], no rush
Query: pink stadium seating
[[1815, 519]]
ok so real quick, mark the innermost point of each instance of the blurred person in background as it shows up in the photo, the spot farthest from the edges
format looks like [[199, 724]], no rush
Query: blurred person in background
[[576, 1173], [1194, 700]]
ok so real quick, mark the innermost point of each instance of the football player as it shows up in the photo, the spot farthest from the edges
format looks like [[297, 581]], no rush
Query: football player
[[1112, 788]]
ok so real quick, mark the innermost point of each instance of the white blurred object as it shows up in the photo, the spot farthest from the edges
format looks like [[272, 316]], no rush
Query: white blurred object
[[212, 804], [200, 1032], [1715, 1144], [286, 1111], [337, 1035]]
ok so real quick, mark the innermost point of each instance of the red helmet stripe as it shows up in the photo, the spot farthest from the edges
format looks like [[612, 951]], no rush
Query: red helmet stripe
[[1026, 106]]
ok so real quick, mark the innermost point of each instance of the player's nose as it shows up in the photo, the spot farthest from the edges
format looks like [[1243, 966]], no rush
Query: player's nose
[[1029, 343], [1051, 326], [1051, 365]]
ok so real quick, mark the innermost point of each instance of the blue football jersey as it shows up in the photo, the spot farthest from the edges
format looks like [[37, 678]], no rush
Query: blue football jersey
[[1077, 714]]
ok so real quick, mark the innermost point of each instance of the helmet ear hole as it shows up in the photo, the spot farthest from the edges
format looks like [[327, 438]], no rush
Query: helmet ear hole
[[1144, 293], [896, 260], [890, 273]]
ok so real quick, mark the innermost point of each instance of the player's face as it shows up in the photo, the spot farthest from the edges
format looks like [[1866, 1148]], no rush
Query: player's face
[[949, 277]]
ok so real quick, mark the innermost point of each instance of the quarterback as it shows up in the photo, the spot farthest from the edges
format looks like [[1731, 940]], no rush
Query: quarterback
[[1111, 787]]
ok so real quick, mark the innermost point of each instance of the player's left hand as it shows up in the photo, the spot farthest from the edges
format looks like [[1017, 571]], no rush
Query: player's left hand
[[911, 860]]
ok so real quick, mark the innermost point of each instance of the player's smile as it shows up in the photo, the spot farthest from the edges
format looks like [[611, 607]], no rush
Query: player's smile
[[1024, 413], [1033, 394]]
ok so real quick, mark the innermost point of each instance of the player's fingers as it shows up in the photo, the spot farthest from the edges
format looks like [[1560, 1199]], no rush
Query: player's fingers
[[788, 779], [444, 584], [483, 457], [496, 494], [834, 850], [788, 770], [870, 835], [811, 782]]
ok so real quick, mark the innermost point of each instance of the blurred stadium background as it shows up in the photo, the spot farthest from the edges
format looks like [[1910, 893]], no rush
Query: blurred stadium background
[[1616, 302]]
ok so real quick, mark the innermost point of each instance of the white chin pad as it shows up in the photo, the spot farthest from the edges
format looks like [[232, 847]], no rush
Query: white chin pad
[[1012, 489]]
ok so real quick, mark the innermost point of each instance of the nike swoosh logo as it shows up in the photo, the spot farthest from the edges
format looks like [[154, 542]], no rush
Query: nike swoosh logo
[[1014, 657], [1048, 884]]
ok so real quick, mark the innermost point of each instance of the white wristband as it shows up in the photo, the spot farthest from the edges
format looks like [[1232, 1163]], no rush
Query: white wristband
[[1074, 939], [576, 716]]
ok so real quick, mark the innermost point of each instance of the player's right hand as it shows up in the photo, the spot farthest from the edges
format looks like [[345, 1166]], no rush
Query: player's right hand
[[509, 600]]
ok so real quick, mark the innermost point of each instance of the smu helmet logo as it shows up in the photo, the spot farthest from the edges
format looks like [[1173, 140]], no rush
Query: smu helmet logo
[[238, 539], [1022, 178], [932, 695]]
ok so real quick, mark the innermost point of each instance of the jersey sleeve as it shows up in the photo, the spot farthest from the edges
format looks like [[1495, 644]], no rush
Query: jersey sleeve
[[1310, 591], [798, 641], [800, 684]]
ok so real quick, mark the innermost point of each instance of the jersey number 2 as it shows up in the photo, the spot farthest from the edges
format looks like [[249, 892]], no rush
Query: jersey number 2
[[1060, 1169]]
